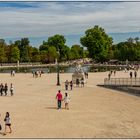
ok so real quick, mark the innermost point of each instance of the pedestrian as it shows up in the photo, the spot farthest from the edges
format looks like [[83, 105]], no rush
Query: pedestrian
[[1, 89], [66, 84], [135, 74], [7, 120], [13, 73], [59, 99], [82, 82], [71, 85], [114, 72], [87, 75], [131, 74], [40, 73], [5, 89], [11, 89], [33, 73], [77, 82], [109, 75], [66, 101]]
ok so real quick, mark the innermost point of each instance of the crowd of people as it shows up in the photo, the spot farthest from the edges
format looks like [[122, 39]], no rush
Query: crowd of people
[[37, 73], [69, 86], [4, 89], [7, 121], [132, 73]]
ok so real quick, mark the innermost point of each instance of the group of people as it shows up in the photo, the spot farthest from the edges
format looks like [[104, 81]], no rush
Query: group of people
[[37, 73], [4, 89], [12, 73], [80, 81], [110, 73], [67, 84], [131, 74], [7, 121], [86, 75], [60, 98]]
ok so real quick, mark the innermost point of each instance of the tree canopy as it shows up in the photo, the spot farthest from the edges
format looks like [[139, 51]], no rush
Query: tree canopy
[[97, 43]]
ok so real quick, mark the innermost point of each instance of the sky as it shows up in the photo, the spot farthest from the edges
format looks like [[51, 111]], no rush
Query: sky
[[38, 20]]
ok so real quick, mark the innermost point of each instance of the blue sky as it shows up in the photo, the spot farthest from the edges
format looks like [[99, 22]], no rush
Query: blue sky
[[43, 19]]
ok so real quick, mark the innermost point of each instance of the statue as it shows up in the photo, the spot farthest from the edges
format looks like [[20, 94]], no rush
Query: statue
[[78, 74]]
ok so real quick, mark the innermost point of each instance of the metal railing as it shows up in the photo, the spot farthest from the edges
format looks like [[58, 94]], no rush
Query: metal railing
[[122, 81]]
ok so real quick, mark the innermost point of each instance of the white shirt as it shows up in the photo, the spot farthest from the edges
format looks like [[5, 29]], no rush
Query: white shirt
[[7, 121], [67, 99]]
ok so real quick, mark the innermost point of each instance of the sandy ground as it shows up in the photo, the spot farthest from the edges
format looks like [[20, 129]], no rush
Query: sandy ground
[[95, 112]]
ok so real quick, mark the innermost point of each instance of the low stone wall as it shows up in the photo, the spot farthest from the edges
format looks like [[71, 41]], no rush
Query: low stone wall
[[134, 90]]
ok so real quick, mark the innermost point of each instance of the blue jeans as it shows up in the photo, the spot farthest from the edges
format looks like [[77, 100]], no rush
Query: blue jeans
[[59, 104]]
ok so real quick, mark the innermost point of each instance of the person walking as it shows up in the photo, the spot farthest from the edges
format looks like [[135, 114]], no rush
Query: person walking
[[135, 74], [1, 89], [11, 89], [109, 75], [5, 89], [66, 84], [71, 85], [59, 99], [77, 82], [114, 72], [87, 75], [82, 82], [7, 120], [131, 74], [66, 101]]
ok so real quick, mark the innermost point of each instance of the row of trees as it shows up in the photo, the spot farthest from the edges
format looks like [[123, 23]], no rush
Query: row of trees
[[47, 52], [99, 46]]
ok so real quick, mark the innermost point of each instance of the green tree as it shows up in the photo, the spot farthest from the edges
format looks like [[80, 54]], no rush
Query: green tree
[[51, 54], [97, 43], [3, 57], [24, 47], [35, 55], [58, 41], [43, 56], [15, 54]]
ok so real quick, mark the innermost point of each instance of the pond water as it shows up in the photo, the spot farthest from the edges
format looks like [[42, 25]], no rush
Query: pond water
[[66, 69]]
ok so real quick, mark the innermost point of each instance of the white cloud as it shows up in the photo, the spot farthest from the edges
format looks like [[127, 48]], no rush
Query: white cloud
[[47, 18]]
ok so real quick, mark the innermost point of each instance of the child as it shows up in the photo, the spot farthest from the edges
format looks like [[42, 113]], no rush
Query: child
[[7, 122], [66, 100]]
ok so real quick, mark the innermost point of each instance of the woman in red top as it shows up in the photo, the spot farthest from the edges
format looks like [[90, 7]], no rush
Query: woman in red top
[[59, 99]]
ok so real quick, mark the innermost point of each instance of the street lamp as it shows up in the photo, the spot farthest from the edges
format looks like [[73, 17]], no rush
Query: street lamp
[[58, 72]]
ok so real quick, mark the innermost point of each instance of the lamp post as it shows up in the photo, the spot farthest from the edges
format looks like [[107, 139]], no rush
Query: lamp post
[[58, 72]]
